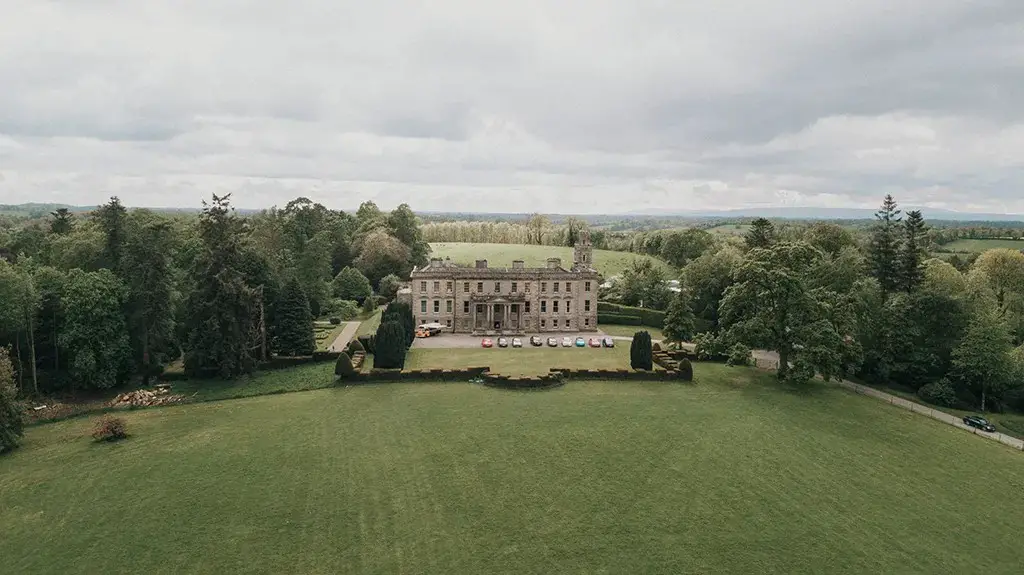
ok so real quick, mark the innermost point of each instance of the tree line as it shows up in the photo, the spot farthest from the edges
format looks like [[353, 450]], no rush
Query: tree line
[[876, 308], [88, 301]]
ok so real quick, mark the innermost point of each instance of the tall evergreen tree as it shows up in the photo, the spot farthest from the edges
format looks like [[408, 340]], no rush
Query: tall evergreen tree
[[641, 352], [147, 257], [63, 222], [293, 325], [883, 253], [680, 323], [760, 235], [219, 338], [911, 252], [111, 218], [390, 346]]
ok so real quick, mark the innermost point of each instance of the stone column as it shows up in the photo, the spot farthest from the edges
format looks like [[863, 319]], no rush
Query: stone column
[[505, 321], [490, 316]]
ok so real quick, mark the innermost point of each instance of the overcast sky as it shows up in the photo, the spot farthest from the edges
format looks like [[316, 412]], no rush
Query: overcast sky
[[581, 106]]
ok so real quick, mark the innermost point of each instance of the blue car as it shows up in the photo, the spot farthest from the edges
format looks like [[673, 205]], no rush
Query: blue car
[[580, 342]]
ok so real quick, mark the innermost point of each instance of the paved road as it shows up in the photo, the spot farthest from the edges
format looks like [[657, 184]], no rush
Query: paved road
[[346, 335]]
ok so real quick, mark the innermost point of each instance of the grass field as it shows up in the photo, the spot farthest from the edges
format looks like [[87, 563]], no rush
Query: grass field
[[982, 245], [607, 262], [368, 324], [629, 330], [732, 475], [522, 361], [730, 229]]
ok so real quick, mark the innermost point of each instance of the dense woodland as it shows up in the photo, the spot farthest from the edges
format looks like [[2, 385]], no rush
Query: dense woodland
[[90, 301]]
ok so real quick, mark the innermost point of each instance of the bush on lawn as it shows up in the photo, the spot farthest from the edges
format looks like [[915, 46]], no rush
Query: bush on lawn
[[618, 319], [368, 342], [335, 321], [343, 367], [641, 356], [739, 354], [655, 346], [391, 346], [109, 428], [707, 347], [685, 370], [939, 393], [354, 346]]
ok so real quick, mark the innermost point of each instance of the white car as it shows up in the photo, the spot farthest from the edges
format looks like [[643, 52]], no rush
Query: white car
[[516, 342], [567, 342]]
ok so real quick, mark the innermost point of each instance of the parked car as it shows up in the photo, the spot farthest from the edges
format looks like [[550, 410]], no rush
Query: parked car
[[608, 342], [502, 342], [552, 342], [580, 342], [487, 342], [979, 422], [536, 341], [516, 342], [566, 341], [594, 342]]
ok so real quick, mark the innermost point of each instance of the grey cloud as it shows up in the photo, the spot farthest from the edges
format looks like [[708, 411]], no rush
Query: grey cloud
[[595, 105]]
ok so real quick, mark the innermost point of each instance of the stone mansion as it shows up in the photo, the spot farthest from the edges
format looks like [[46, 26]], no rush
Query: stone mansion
[[486, 300]]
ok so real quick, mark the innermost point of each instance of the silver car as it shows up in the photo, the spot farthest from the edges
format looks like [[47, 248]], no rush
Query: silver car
[[516, 342], [567, 342]]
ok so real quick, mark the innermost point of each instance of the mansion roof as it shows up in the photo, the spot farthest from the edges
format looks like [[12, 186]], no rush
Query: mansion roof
[[445, 268]]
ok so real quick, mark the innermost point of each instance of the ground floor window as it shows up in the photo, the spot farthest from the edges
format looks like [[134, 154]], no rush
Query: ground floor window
[[449, 322], [568, 324], [586, 321], [554, 323], [543, 323]]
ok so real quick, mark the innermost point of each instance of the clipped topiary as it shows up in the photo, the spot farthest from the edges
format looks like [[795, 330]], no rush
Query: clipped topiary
[[641, 355], [335, 320], [354, 346], [343, 367], [685, 370], [656, 346]]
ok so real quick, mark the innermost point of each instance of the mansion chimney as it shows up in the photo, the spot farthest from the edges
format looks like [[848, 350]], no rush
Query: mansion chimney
[[518, 264], [554, 263], [481, 264]]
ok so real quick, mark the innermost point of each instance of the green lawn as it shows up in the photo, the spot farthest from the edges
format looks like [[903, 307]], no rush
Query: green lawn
[[982, 245], [521, 361], [368, 324], [731, 475], [629, 330], [607, 262], [326, 334]]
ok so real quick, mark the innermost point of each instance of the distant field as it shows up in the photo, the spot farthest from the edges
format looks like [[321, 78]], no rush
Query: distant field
[[731, 474], [609, 263], [982, 245], [730, 229]]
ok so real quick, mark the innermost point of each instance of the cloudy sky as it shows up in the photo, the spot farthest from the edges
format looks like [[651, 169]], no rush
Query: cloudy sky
[[577, 106]]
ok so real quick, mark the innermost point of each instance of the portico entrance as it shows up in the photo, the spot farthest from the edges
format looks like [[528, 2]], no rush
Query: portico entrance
[[498, 317]]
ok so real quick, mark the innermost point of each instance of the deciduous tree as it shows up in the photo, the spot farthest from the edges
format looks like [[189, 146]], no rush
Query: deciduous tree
[[11, 414], [95, 335], [680, 324], [351, 284]]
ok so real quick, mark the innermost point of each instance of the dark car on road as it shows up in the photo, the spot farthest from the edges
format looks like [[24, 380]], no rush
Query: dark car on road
[[608, 342], [536, 341], [552, 342], [979, 422]]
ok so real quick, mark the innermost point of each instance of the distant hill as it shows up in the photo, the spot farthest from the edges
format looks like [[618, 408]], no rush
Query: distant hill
[[806, 213]]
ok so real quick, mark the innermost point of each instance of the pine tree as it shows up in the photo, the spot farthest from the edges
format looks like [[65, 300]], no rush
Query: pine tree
[[390, 346], [911, 253], [760, 235], [293, 328], [883, 254], [402, 313], [221, 307], [641, 353], [63, 222], [679, 321]]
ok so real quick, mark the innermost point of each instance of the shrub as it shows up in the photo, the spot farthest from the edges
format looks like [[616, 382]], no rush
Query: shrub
[[656, 346], [739, 354], [368, 341], [391, 346], [939, 393], [618, 319], [11, 412], [343, 367], [640, 353], [369, 305], [335, 320], [389, 286], [707, 347], [685, 370], [354, 346], [109, 429]]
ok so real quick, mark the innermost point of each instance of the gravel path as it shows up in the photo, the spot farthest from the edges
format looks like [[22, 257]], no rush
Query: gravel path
[[345, 336]]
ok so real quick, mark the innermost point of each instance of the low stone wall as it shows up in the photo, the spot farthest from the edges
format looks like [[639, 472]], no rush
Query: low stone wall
[[525, 382], [620, 374], [398, 375]]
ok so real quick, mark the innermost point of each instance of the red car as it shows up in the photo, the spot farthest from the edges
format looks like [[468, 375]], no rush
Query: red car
[[487, 342], [594, 342]]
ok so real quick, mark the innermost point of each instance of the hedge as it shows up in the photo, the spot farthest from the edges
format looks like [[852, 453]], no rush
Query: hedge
[[648, 317], [618, 319]]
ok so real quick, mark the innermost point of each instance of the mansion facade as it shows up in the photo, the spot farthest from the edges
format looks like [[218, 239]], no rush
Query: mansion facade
[[513, 300]]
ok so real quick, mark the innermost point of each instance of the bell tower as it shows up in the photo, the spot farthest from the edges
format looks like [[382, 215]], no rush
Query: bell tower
[[583, 253]]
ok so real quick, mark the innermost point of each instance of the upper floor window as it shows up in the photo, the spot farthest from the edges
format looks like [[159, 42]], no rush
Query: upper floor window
[[448, 286], [448, 306], [497, 287], [437, 306], [543, 287], [568, 286], [515, 287], [586, 286], [423, 286], [555, 286], [567, 307], [480, 287], [465, 287], [554, 306], [586, 305], [437, 286], [423, 306], [465, 306], [526, 306], [543, 306]]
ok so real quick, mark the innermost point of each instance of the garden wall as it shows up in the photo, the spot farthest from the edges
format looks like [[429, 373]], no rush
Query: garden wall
[[648, 317]]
